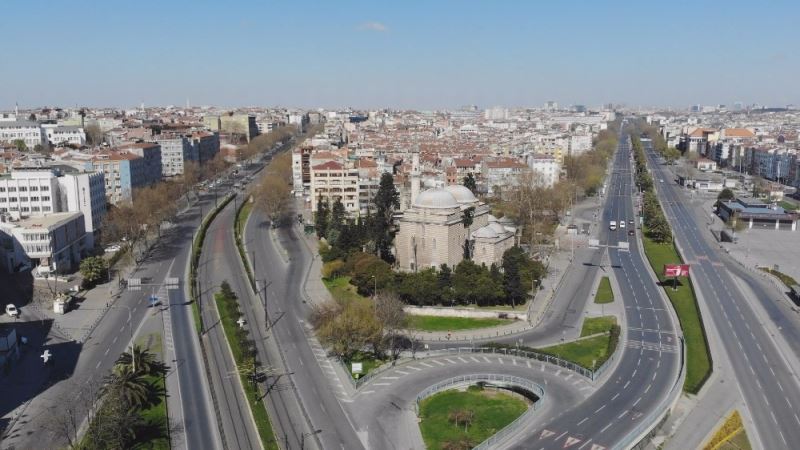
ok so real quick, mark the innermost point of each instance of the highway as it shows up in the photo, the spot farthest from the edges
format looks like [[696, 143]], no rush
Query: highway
[[764, 370], [196, 422]]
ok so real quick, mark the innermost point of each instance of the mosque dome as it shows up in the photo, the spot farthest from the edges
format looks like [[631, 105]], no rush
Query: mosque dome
[[436, 198], [461, 193]]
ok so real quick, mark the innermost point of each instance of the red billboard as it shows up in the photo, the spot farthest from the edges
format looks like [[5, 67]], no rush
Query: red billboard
[[676, 270]]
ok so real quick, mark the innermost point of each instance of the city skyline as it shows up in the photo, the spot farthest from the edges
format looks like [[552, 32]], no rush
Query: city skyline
[[409, 56]]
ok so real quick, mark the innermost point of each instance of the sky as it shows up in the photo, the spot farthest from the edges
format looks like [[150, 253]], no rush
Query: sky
[[398, 54]]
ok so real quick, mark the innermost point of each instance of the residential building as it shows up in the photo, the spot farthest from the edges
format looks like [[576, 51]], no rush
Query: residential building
[[206, 145], [334, 180], [60, 135], [175, 151], [547, 169], [150, 153], [123, 171], [29, 132], [239, 124], [56, 241]]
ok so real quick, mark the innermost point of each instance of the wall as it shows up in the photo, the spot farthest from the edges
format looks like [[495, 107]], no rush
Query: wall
[[462, 312]]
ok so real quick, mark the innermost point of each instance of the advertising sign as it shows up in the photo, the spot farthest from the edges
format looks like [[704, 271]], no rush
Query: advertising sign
[[676, 270]]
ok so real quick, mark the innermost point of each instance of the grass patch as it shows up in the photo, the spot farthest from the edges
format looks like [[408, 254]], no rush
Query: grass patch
[[368, 361], [492, 411], [604, 293], [241, 349], [597, 325], [342, 291], [785, 279], [155, 433], [436, 323], [239, 221], [731, 435], [698, 359], [789, 206], [589, 353]]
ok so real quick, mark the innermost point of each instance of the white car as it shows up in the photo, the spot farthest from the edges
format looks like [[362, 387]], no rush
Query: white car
[[622, 224], [12, 310]]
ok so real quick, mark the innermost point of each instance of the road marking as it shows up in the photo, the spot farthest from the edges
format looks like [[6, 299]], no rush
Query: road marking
[[648, 388], [367, 392], [450, 361], [584, 444], [773, 417], [486, 359], [626, 384], [98, 365], [570, 441], [654, 375], [615, 396], [637, 401], [389, 378], [437, 362], [560, 436], [346, 400], [401, 372], [584, 420], [500, 360], [426, 364], [462, 359], [586, 388], [528, 362], [474, 359], [107, 350], [382, 384], [605, 427], [415, 368], [599, 409], [624, 413], [634, 373], [546, 434]]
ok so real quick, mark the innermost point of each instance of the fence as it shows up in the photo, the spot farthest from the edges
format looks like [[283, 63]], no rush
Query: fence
[[543, 357], [501, 380]]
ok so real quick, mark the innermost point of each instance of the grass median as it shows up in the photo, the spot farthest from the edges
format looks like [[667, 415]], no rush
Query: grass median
[[463, 419], [239, 222], [437, 323], [785, 279], [698, 358], [597, 325], [604, 293], [243, 349]]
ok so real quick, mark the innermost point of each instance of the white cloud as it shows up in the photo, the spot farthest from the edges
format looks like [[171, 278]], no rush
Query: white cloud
[[373, 26]]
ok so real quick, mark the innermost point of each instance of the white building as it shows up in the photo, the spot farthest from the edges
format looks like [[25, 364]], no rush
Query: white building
[[56, 241], [547, 168], [332, 180], [57, 135], [40, 191], [26, 131], [579, 144]]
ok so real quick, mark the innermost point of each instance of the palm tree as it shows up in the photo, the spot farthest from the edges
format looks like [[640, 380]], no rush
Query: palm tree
[[141, 361], [131, 387]]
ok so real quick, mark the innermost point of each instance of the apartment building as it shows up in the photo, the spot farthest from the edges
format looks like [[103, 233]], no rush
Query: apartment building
[[123, 172], [56, 241], [206, 145], [60, 135], [175, 151], [332, 180], [547, 168], [29, 132]]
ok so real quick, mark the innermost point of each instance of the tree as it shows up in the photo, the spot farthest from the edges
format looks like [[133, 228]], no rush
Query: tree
[[392, 317], [470, 183], [93, 269], [726, 195], [420, 288], [20, 145], [140, 361], [321, 218], [272, 196], [347, 328], [386, 201], [514, 291], [337, 219], [130, 386], [94, 134], [672, 154]]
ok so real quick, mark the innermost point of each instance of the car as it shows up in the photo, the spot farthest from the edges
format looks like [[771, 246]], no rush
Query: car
[[630, 222], [622, 224], [631, 232], [12, 310], [661, 180]]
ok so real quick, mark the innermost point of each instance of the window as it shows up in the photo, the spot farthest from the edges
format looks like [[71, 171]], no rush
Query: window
[[34, 199], [34, 188], [45, 188], [12, 199], [12, 189], [2, 189], [23, 189], [46, 198], [35, 208], [45, 208], [25, 209]]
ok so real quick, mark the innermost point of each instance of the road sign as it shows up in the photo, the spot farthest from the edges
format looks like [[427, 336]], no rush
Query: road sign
[[676, 270], [358, 367]]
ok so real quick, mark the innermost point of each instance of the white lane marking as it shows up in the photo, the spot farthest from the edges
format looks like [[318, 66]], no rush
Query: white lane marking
[[414, 368], [599, 409], [584, 420], [486, 359], [437, 362], [426, 364], [401, 372], [381, 384], [626, 384], [450, 361], [615, 396], [389, 378], [624, 413], [637, 401], [98, 365]]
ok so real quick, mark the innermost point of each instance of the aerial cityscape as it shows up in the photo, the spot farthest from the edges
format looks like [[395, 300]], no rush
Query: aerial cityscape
[[442, 225]]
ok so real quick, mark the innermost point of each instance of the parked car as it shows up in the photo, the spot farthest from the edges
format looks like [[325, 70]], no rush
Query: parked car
[[12, 310]]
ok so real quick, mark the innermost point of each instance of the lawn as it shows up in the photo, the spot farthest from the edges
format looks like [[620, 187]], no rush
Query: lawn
[[731, 435], [604, 293], [785, 279], [590, 353], [789, 206], [155, 431], [368, 361], [597, 325], [436, 323], [698, 360], [342, 291], [229, 313], [492, 411]]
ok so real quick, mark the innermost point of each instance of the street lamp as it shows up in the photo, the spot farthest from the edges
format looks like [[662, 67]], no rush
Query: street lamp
[[304, 435]]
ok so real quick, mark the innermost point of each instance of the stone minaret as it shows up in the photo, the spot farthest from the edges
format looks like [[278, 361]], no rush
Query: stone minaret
[[415, 175]]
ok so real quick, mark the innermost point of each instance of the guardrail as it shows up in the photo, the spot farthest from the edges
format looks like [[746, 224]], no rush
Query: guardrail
[[543, 357], [504, 380]]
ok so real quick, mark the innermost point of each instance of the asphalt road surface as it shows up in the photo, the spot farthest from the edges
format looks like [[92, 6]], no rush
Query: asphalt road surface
[[767, 382]]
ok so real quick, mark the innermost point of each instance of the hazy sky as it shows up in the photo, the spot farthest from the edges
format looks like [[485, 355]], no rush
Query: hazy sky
[[401, 54]]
